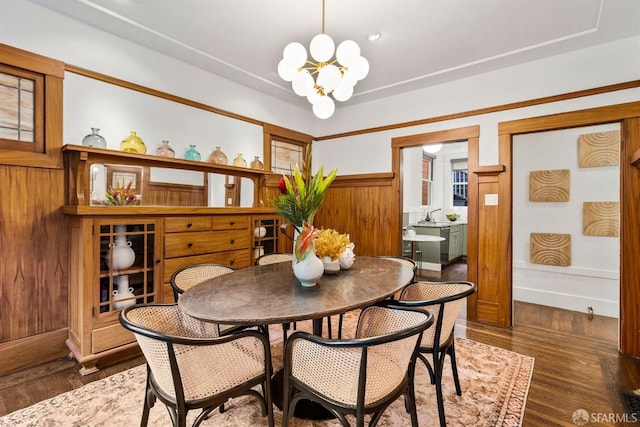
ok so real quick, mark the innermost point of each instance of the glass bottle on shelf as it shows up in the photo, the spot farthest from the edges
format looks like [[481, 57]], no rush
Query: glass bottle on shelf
[[239, 161], [218, 157], [165, 150], [256, 164], [133, 144], [94, 139], [192, 153]]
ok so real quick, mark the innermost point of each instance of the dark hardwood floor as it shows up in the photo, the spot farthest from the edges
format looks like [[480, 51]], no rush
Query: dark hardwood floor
[[577, 366]]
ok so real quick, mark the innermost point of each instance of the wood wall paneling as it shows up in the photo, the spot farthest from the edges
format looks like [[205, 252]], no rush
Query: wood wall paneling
[[366, 208], [33, 249]]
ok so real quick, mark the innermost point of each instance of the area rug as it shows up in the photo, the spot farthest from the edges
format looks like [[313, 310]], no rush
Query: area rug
[[494, 381]]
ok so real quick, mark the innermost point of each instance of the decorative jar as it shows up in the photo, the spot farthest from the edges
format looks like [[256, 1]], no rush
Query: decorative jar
[[330, 266], [192, 153], [123, 292], [256, 164], [239, 161], [133, 144], [165, 150], [218, 157], [309, 270], [94, 139]]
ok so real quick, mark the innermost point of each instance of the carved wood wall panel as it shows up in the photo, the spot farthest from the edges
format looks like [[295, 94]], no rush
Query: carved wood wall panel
[[549, 185], [550, 249], [601, 219], [599, 149]]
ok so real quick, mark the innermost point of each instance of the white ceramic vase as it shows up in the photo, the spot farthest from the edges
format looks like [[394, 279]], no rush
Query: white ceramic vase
[[123, 292], [122, 255], [347, 257], [309, 270], [330, 266]]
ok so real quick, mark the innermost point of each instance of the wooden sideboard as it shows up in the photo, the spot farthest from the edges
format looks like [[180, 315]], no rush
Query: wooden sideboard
[[155, 240]]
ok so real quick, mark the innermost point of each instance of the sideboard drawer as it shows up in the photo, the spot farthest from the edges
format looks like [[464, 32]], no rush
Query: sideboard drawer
[[235, 259], [195, 223], [203, 242], [230, 222]]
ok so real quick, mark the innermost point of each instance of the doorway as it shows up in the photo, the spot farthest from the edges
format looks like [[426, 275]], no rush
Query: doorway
[[628, 115], [470, 135]]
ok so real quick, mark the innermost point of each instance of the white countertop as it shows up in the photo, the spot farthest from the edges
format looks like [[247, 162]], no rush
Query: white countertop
[[423, 238]]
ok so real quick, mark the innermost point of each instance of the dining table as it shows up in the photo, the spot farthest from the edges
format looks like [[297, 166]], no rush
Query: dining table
[[271, 294]]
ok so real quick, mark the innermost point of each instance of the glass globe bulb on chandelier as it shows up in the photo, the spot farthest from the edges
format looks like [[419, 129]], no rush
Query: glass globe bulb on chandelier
[[326, 76]]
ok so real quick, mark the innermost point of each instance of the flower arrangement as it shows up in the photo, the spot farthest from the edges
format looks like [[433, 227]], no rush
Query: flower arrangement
[[301, 193], [121, 195], [330, 243]]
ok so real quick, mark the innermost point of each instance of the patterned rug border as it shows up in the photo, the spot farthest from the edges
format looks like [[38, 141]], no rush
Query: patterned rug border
[[47, 412]]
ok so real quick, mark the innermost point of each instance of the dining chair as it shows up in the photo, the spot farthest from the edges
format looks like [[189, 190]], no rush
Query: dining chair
[[358, 376], [190, 366], [188, 276], [445, 300], [413, 265], [274, 258]]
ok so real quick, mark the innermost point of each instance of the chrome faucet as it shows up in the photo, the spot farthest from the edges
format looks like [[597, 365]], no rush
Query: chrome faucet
[[429, 218]]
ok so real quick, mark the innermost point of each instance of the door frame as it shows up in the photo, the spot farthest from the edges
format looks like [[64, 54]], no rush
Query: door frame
[[471, 135], [628, 115]]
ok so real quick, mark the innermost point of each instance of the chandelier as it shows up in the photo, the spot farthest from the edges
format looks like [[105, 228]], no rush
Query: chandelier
[[324, 75]]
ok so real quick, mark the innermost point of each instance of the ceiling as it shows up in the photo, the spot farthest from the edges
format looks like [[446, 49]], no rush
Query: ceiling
[[423, 42]]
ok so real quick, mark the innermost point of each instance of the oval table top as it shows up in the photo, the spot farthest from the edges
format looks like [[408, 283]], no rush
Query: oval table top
[[271, 294]]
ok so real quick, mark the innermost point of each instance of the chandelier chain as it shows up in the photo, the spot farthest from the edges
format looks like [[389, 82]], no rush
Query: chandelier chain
[[322, 16]]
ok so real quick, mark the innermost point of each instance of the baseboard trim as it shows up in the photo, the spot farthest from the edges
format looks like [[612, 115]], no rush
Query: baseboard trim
[[32, 351]]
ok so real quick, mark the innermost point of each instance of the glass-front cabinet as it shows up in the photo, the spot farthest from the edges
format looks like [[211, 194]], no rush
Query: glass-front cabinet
[[127, 265], [116, 262], [268, 236]]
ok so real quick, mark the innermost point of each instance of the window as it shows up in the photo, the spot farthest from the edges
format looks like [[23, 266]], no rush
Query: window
[[20, 109], [30, 109], [283, 149], [459, 182], [285, 156], [427, 178]]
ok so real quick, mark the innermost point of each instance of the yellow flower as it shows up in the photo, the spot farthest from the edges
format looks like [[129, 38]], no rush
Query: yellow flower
[[330, 243]]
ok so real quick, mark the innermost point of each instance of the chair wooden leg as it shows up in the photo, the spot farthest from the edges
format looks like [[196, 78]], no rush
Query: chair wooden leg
[[438, 359], [454, 368]]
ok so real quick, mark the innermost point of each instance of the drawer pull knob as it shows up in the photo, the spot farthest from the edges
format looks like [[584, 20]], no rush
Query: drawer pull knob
[[158, 260], [190, 244], [189, 224], [232, 223], [233, 241], [233, 261]]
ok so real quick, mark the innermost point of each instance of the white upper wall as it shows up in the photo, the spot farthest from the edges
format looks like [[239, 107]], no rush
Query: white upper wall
[[599, 66], [31, 27]]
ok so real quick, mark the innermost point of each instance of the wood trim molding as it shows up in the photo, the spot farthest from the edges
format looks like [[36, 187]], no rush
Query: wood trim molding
[[635, 159], [31, 61], [489, 170], [33, 350], [364, 180], [447, 135], [588, 117], [494, 109]]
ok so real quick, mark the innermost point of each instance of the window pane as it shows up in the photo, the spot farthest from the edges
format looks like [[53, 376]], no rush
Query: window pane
[[17, 121], [459, 187], [285, 156], [427, 178]]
